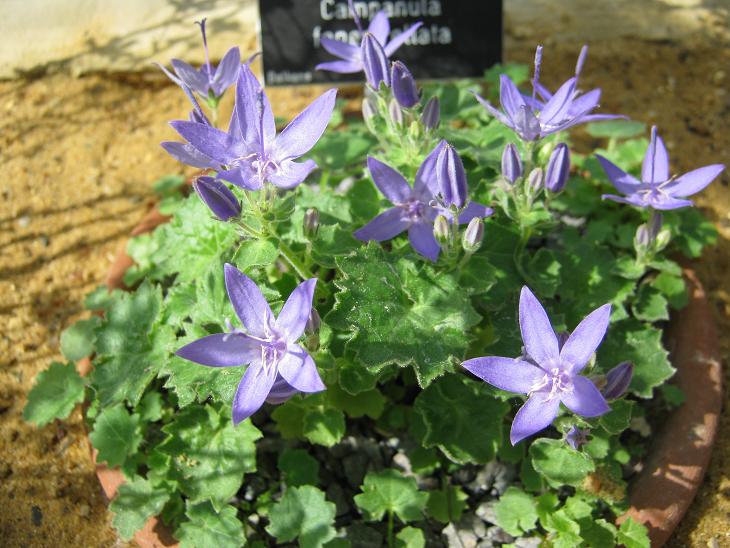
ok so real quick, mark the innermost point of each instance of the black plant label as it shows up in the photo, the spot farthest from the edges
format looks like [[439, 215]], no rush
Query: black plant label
[[458, 38]]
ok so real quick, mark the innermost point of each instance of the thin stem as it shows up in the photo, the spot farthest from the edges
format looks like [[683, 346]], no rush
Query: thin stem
[[390, 529]]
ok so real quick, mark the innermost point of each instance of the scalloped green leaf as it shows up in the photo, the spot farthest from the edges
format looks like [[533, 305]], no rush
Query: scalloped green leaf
[[136, 501], [558, 463], [116, 435], [390, 491], [303, 513], [401, 311], [55, 393], [207, 526]]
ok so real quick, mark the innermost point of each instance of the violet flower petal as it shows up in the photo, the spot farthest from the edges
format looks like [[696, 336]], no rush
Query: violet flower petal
[[693, 181], [451, 177], [556, 109], [537, 333], [298, 369], [666, 203], [509, 374], [341, 67], [218, 197], [493, 111], [655, 168], [510, 97], [423, 241], [623, 182], [280, 391], [472, 210], [188, 155], [193, 78], [631, 199], [295, 312], [585, 399], [344, 50], [398, 41], [248, 302], [537, 414], [222, 350], [291, 173], [380, 27], [385, 226], [208, 140], [242, 176], [425, 184], [306, 128], [391, 183], [585, 338], [252, 391], [226, 73]]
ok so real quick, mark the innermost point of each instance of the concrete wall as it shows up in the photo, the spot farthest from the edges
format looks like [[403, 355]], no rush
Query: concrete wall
[[127, 35]]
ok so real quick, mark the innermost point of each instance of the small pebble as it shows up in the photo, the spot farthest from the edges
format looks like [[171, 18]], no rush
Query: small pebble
[[24, 221]]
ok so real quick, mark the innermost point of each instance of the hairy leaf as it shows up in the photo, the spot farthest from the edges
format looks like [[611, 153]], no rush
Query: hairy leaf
[[55, 393]]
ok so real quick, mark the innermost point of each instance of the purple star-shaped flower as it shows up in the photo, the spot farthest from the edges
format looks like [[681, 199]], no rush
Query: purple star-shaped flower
[[208, 81], [657, 189], [532, 118], [251, 153], [549, 374], [415, 208], [277, 366], [351, 60]]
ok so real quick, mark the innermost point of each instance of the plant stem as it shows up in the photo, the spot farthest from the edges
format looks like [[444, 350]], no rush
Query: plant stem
[[390, 528]]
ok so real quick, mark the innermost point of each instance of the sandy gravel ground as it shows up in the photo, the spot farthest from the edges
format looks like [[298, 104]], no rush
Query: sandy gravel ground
[[78, 157]]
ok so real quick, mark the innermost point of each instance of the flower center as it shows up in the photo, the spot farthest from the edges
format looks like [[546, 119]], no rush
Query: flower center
[[413, 209], [260, 163], [554, 382]]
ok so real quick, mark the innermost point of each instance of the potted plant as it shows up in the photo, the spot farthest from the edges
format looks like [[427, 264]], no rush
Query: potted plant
[[451, 332]]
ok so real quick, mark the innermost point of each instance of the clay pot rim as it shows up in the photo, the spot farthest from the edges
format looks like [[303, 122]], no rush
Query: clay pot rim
[[660, 494]]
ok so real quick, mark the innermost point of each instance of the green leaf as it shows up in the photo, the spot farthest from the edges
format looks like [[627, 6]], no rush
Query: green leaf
[[131, 347], [116, 435], [650, 305], [516, 512], [691, 230], [302, 513], [55, 393], [289, 418], [672, 286], [461, 418], [558, 463], [544, 270], [255, 253], [630, 340], [78, 340], [324, 426], [401, 311], [209, 454], [633, 535], [410, 537], [368, 402], [618, 419], [208, 527], [390, 491], [565, 531], [597, 533], [136, 501], [447, 504], [298, 467], [150, 407]]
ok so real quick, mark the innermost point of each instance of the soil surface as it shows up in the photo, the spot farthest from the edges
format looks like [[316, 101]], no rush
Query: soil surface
[[78, 157]]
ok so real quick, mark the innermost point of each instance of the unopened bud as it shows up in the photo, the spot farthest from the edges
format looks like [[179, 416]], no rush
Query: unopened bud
[[218, 197], [311, 331], [395, 113], [558, 169], [473, 235], [451, 176], [311, 223], [404, 85], [511, 163], [442, 231], [534, 181], [431, 115], [618, 380], [369, 108], [642, 238], [375, 61]]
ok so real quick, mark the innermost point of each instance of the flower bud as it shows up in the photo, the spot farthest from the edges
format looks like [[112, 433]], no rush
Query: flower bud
[[534, 181], [310, 224], [218, 197], [577, 437], [442, 231], [369, 108], [642, 238], [618, 380], [558, 169], [451, 176], [314, 322], [511, 163], [404, 85], [431, 115], [395, 113], [473, 235], [375, 62]]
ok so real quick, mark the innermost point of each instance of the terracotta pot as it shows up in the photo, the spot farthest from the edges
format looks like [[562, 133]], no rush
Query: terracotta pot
[[679, 455]]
